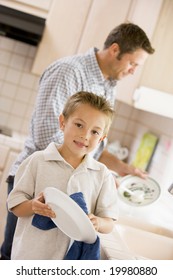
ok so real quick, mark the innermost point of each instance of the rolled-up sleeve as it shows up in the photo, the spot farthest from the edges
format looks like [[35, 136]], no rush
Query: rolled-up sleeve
[[107, 202], [23, 186]]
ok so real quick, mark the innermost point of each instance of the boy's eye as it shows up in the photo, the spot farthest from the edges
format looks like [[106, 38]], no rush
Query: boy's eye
[[95, 132], [78, 124]]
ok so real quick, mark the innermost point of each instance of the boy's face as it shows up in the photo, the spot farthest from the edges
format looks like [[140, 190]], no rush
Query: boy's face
[[83, 130]]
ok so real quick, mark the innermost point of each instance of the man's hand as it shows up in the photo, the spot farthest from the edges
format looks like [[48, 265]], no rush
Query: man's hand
[[120, 167], [127, 169]]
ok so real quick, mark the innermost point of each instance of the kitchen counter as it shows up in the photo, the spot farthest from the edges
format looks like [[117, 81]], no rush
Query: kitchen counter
[[156, 218], [158, 214], [136, 241], [114, 249], [15, 142], [9, 149]]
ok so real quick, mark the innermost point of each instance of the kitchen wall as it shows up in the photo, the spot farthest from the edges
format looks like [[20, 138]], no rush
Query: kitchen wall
[[129, 126], [18, 87], [18, 91]]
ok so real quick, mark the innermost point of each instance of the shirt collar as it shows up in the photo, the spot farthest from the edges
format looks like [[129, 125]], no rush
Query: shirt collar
[[51, 154], [91, 163], [93, 66], [92, 60]]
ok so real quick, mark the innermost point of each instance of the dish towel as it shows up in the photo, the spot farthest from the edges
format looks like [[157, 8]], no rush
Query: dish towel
[[79, 250]]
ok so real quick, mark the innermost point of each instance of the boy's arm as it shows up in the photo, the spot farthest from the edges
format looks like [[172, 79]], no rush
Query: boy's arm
[[33, 206], [102, 225]]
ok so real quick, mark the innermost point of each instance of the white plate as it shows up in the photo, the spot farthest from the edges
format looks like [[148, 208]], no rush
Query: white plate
[[70, 218], [149, 189]]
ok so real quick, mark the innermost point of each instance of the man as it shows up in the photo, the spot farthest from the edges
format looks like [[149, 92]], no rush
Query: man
[[97, 71]]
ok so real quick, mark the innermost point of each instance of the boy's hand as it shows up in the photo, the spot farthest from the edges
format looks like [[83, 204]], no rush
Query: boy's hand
[[95, 221], [39, 206]]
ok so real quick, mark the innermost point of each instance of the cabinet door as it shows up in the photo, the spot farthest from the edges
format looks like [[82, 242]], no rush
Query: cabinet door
[[35, 7], [104, 15], [41, 4], [145, 15], [158, 70], [64, 27]]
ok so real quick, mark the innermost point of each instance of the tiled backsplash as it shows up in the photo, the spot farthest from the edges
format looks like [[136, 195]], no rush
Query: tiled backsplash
[[18, 90], [18, 87]]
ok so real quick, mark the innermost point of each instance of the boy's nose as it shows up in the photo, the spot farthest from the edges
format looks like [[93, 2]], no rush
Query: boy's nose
[[84, 135]]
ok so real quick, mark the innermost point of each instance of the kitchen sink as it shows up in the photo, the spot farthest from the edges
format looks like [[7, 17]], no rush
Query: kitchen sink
[[148, 245]]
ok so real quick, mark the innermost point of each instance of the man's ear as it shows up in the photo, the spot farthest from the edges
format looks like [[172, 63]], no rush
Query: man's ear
[[61, 122], [114, 49], [101, 139]]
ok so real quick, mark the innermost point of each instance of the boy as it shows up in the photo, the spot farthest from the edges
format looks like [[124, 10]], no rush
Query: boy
[[84, 121]]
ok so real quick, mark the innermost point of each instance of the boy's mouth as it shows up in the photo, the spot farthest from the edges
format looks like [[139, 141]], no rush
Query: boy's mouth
[[80, 144]]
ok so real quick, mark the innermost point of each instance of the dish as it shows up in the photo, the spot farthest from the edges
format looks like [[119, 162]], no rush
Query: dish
[[70, 218], [136, 191]]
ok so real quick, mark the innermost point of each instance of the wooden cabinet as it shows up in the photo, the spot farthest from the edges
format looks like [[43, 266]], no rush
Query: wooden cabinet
[[146, 16], [35, 7], [64, 28], [103, 16], [40, 4], [158, 72]]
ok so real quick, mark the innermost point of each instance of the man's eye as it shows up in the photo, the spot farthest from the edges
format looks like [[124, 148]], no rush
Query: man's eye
[[133, 64]]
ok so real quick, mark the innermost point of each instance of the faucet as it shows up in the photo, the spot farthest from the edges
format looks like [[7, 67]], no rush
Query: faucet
[[170, 189]]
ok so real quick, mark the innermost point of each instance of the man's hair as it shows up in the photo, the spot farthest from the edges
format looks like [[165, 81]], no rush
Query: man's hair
[[130, 37], [97, 102]]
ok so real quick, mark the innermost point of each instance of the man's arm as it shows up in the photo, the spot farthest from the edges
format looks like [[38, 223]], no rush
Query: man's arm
[[119, 166]]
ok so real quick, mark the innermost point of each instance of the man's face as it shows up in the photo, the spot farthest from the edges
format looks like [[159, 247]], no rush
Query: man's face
[[127, 64]]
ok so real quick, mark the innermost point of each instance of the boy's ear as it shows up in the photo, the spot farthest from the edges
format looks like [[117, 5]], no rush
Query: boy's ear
[[61, 122]]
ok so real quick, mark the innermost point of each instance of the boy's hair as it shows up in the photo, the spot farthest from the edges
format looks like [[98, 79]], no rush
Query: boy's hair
[[129, 37], [95, 101]]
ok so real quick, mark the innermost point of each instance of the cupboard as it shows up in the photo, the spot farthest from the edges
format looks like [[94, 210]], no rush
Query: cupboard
[[158, 72], [35, 7]]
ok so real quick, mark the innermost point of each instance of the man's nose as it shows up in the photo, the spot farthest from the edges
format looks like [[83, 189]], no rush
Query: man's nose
[[132, 70]]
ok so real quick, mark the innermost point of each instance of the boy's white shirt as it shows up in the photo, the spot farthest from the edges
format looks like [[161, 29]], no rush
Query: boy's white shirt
[[47, 168]]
